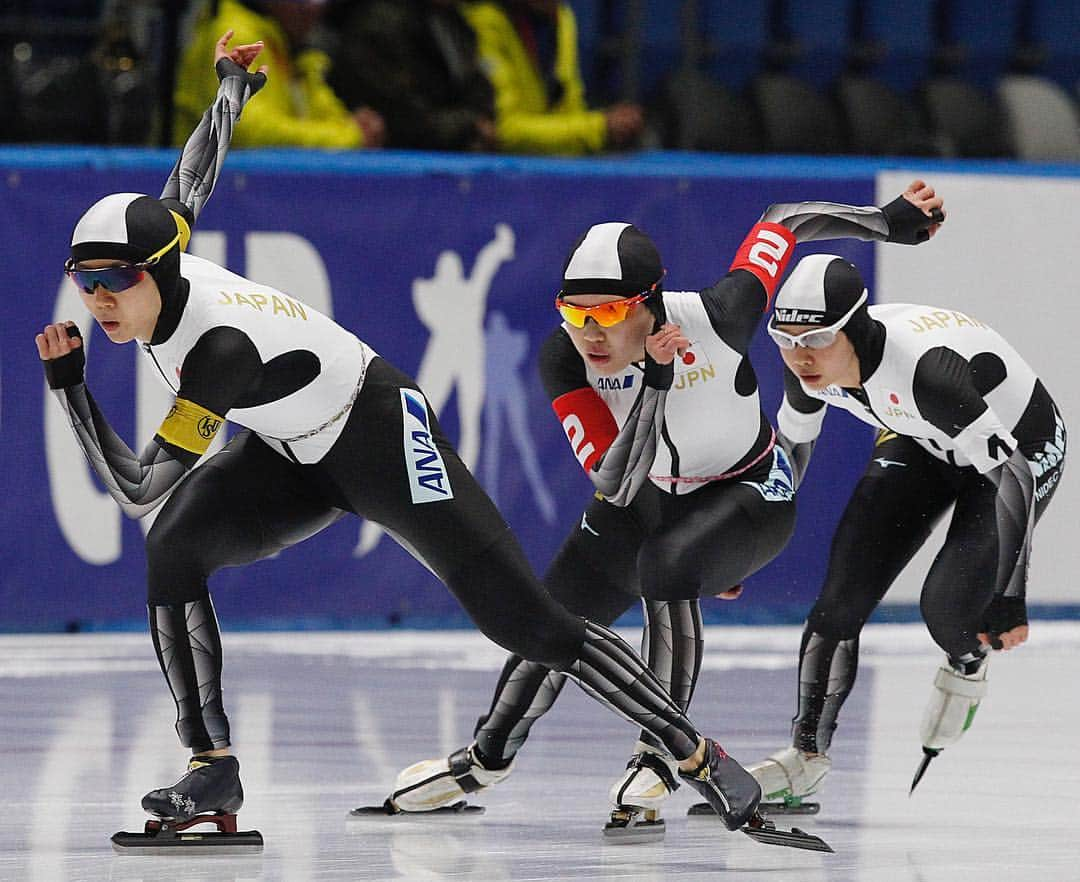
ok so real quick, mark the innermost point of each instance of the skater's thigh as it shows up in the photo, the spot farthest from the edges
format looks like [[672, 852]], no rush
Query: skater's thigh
[[984, 553], [594, 574], [715, 538], [901, 495], [245, 503]]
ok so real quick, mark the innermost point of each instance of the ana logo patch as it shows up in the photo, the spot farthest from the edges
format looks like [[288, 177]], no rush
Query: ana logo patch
[[428, 480]]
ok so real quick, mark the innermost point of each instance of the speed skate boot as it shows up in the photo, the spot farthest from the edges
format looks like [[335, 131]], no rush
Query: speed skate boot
[[649, 779], [959, 685], [734, 795], [727, 787], [787, 777], [209, 793], [439, 785]]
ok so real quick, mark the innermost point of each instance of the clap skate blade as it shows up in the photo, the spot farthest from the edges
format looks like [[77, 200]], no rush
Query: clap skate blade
[[791, 806], [165, 837], [630, 825], [389, 809], [765, 832]]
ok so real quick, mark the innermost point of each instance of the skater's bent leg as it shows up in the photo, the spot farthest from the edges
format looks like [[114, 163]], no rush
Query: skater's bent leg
[[233, 510], [985, 556], [890, 515], [589, 584], [525, 692], [539, 629], [672, 647]]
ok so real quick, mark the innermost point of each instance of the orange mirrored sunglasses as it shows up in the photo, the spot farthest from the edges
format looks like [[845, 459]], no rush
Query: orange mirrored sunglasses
[[604, 314]]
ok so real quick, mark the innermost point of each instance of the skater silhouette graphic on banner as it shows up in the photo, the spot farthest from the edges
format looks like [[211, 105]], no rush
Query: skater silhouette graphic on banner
[[452, 307], [507, 351]]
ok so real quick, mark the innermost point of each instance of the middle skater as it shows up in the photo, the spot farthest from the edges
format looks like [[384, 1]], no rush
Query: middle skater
[[655, 392]]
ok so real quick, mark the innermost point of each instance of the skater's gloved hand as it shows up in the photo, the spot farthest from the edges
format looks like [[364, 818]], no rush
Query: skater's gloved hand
[[1006, 625], [733, 593], [60, 349], [916, 215]]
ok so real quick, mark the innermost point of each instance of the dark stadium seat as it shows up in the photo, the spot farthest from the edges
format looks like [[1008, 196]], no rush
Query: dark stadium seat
[[796, 118], [882, 122], [694, 112], [969, 117]]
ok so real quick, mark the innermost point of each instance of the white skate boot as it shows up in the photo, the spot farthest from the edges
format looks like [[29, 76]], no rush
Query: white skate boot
[[951, 710], [787, 777], [651, 777], [439, 785]]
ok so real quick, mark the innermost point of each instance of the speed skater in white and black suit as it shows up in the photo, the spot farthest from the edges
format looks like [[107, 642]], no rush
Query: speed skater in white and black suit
[[962, 420], [657, 397], [330, 428]]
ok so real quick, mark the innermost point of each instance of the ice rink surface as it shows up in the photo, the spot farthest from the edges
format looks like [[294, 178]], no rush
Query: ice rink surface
[[322, 722]]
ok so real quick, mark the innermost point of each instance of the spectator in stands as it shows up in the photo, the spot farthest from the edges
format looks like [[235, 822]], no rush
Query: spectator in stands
[[529, 50], [297, 108], [415, 62]]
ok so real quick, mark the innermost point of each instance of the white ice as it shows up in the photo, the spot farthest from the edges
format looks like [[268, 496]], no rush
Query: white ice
[[322, 722]]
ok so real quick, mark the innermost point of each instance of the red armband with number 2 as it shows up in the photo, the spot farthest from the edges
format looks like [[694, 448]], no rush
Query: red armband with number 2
[[765, 252]]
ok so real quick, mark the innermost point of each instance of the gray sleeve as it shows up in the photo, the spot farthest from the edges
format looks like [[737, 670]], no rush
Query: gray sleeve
[[811, 221], [137, 483], [196, 171], [624, 467]]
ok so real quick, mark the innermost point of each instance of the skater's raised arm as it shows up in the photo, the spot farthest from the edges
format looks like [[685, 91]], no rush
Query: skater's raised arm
[[736, 303], [913, 217], [196, 172]]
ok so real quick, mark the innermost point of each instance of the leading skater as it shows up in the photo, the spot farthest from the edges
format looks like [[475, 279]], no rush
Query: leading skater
[[659, 402], [331, 428], [962, 420]]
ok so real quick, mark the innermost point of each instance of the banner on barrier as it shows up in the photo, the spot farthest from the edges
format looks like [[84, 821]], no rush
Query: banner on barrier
[[449, 277]]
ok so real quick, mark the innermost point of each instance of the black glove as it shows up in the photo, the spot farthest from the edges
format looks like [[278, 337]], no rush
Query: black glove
[[226, 67], [67, 370], [908, 225], [1002, 615]]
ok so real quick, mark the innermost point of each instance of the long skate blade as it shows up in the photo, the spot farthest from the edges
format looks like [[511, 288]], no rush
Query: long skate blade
[[928, 754], [699, 809], [631, 828], [793, 838], [389, 809], [168, 842]]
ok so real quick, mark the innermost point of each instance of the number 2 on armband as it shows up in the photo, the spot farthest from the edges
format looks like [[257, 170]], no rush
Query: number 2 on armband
[[768, 251]]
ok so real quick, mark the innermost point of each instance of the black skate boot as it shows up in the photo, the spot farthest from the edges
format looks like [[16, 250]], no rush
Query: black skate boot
[[209, 793], [727, 787], [211, 786], [734, 795]]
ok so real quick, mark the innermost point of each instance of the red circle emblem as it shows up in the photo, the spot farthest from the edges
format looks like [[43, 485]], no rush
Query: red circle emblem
[[894, 398], [689, 358]]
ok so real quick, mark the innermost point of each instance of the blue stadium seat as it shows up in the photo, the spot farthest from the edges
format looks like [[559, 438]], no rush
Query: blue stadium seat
[[654, 29], [590, 39], [736, 35], [983, 38], [898, 41], [820, 34], [1054, 28]]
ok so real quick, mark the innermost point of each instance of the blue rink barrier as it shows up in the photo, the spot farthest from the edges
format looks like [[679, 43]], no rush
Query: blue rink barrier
[[431, 259]]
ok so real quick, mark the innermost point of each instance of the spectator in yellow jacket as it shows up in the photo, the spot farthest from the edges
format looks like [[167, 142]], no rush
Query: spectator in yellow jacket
[[296, 108], [529, 50]]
